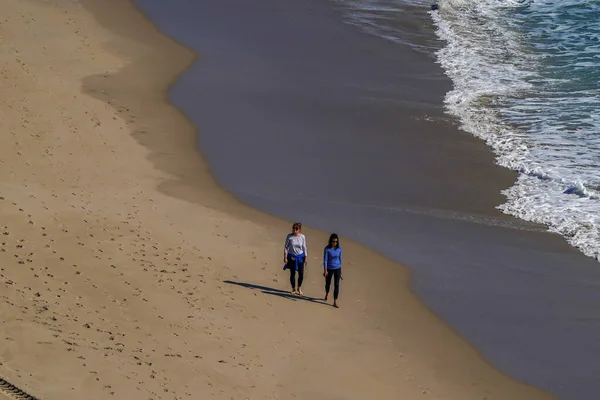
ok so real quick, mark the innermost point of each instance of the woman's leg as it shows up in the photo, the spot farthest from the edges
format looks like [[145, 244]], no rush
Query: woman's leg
[[300, 276], [336, 282], [337, 273], [293, 278], [328, 282], [291, 266]]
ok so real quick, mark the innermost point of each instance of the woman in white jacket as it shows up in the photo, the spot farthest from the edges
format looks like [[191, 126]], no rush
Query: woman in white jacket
[[294, 256]]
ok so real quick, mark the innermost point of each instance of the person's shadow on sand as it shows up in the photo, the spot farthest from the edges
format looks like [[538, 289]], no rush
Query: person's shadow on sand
[[277, 292]]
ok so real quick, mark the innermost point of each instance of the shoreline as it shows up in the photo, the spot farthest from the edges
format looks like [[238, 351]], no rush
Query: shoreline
[[428, 199], [122, 196], [244, 210]]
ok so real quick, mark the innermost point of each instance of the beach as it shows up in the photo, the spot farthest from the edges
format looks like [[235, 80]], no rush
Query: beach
[[384, 165], [133, 265]]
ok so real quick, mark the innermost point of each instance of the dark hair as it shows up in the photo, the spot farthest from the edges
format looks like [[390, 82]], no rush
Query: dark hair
[[297, 225], [333, 237]]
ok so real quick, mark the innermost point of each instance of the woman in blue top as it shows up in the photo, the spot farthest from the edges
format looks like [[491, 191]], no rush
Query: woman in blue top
[[332, 265]]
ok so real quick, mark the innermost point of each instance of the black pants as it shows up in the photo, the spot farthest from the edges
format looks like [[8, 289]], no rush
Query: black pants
[[337, 274], [291, 265]]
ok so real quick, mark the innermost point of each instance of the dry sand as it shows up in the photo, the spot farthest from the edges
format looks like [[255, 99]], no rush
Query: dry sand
[[127, 273]]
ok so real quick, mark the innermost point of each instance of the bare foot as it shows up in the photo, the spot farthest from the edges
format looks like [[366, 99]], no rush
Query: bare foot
[[335, 304], [325, 299], [293, 291], [299, 291]]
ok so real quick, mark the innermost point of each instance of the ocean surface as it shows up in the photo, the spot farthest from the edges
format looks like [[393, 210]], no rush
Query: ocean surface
[[526, 79], [360, 102]]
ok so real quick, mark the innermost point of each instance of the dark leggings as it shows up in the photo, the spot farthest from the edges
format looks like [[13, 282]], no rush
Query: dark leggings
[[337, 274], [291, 265]]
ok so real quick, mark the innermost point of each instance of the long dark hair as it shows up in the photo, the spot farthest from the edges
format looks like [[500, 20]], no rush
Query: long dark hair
[[333, 237]]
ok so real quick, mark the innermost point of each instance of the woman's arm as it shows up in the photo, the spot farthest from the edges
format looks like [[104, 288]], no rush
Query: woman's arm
[[304, 250], [285, 248], [304, 247], [340, 256], [325, 258]]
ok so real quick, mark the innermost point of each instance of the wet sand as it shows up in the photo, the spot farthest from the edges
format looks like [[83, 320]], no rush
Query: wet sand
[[128, 274], [288, 83]]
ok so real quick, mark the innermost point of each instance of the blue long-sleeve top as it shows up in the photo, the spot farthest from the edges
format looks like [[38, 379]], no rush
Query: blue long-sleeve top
[[332, 257]]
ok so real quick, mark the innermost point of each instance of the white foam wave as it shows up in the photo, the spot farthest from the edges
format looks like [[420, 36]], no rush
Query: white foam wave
[[539, 121]]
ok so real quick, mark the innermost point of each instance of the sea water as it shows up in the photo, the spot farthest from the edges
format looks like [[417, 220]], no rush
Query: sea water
[[526, 79]]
